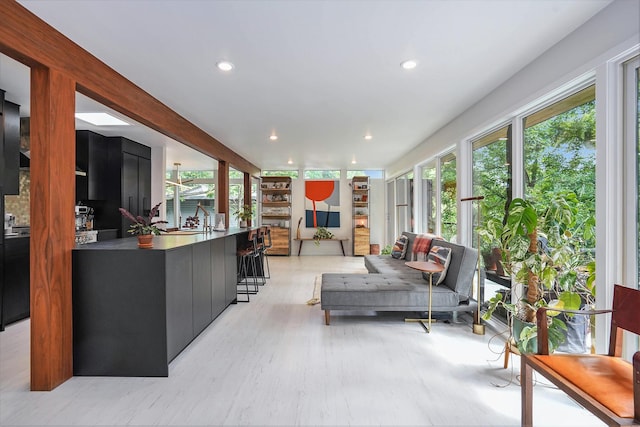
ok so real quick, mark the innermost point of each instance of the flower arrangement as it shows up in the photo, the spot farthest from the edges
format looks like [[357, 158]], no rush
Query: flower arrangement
[[142, 226]]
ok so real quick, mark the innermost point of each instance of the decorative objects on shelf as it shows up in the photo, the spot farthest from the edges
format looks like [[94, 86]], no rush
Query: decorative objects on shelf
[[276, 212], [144, 228], [360, 215]]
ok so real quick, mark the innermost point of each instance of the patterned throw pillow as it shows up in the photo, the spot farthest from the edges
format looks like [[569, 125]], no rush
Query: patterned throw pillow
[[399, 249], [421, 245], [441, 256]]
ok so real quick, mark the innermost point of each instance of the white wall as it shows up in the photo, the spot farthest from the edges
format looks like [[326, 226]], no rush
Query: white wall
[[611, 31], [376, 219]]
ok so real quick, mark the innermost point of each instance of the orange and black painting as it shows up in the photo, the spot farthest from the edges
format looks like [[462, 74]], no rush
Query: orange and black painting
[[322, 203]]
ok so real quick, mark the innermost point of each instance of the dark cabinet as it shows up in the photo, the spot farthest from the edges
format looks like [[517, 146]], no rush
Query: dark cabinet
[[92, 160], [179, 279], [11, 148], [129, 184], [15, 298], [218, 275], [135, 310], [202, 291]]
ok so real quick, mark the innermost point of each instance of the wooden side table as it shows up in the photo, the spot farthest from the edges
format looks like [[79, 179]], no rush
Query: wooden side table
[[428, 267]]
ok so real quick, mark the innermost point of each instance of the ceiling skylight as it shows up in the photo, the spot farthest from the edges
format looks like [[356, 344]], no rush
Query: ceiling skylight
[[101, 119]]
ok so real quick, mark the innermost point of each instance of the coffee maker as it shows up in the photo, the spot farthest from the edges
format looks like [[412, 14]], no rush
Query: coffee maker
[[84, 218], [9, 223]]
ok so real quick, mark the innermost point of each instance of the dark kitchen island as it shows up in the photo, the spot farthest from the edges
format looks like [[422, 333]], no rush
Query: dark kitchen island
[[134, 310]]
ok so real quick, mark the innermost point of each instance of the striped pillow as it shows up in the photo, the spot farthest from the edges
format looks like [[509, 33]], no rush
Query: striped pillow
[[441, 256], [399, 249]]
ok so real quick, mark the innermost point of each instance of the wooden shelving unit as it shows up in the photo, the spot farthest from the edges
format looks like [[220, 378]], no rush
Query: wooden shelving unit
[[360, 214], [276, 212]]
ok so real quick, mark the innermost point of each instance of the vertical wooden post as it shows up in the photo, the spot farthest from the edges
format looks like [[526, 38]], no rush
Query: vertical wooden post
[[222, 192], [52, 226], [247, 192]]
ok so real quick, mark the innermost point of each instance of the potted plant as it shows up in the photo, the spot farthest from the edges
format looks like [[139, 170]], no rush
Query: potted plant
[[321, 233], [244, 215], [542, 251], [144, 228]]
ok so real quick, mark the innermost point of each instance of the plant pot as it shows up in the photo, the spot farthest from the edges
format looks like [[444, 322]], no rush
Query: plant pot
[[243, 224], [145, 241]]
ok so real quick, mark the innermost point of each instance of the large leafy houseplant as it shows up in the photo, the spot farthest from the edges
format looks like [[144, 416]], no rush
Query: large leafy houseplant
[[542, 251], [143, 226]]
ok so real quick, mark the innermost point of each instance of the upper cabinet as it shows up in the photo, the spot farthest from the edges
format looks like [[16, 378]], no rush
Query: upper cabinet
[[92, 163], [130, 171], [10, 119]]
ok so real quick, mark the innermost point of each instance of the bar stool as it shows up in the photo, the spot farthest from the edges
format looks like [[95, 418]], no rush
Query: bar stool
[[267, 244], [247, 261]]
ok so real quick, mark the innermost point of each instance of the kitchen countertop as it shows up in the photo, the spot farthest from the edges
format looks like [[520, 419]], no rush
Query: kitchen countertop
[[163, 242]]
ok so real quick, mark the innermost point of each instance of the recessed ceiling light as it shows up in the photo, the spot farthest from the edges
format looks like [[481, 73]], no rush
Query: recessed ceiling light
[[409, 64], [368, 137], [353, 162], [101, 119], [290, 162], [225, 66], [273, 137]]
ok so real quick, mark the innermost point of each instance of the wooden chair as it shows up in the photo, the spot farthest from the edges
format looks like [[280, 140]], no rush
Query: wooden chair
[[606, 385]]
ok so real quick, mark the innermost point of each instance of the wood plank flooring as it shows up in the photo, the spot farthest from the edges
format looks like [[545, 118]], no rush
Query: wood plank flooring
[[274, 362]]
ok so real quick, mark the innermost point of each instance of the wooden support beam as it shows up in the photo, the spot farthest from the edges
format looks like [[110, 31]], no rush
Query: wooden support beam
[[222, 191], [52, 226]]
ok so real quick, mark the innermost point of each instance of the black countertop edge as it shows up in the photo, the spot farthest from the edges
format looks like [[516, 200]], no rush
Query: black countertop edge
[[163, 242]]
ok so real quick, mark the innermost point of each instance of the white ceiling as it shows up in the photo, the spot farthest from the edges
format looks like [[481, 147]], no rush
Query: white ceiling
[[320, 74]]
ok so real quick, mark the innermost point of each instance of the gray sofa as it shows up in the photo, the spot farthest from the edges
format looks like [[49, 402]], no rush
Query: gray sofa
[[392, 286]]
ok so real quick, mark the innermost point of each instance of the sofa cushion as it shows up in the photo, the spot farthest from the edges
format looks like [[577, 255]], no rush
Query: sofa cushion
[[383, 292], [384, 264], [462, 268], [399, 249], [441, 256]]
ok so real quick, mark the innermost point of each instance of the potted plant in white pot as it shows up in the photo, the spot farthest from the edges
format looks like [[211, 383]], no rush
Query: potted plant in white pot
[[244, 215], [542, 251], [144, 228]]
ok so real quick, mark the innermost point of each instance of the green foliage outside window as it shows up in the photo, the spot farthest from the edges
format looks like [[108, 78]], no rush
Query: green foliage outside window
[[448, 196], [560, 156]]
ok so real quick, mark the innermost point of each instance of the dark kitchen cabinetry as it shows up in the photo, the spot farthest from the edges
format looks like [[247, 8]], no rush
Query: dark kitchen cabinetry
[[10, 147], [15, 291], [136, 310], [92, 161], [128, 184]]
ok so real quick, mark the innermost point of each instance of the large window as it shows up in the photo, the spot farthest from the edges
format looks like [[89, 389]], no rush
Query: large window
[[492, 178], [322, 174], [404, 203], [448, 195], [429, 198], [236, 195], [184, 190], [560, 156], [492, 173]]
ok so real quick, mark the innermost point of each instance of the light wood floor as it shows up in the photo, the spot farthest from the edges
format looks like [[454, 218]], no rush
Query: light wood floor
[[274, 362]]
